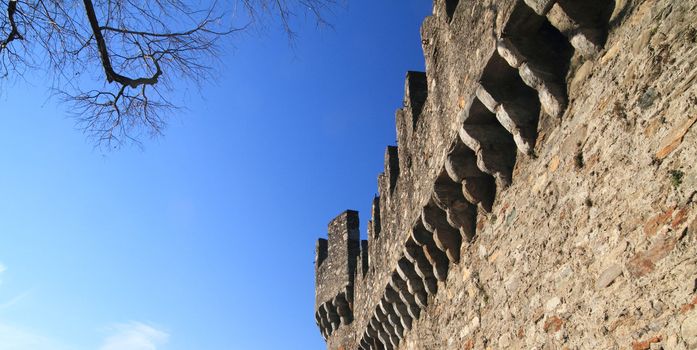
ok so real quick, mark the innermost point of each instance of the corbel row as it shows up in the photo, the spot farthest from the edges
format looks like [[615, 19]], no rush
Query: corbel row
[[332, 314], [526, 75]]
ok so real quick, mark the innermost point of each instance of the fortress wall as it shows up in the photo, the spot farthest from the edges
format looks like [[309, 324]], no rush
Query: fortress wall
[[543, 192]]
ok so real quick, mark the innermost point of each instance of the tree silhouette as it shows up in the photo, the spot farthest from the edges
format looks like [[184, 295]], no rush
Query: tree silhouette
[[114, 61]]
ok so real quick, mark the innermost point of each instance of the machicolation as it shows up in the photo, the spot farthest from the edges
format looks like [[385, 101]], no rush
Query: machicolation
[[487, 233]]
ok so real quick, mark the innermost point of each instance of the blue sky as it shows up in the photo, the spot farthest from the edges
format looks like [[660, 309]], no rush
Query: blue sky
[[204, 239]]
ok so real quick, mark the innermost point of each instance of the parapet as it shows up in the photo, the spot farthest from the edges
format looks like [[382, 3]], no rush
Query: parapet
[[415, 94], [335, 268]]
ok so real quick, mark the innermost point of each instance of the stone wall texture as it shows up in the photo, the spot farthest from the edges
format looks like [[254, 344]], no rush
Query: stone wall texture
[[543, 194]]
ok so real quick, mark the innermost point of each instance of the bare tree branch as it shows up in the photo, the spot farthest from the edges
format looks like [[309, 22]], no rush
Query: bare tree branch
[[14, 32], [116, 62], [112, 76]]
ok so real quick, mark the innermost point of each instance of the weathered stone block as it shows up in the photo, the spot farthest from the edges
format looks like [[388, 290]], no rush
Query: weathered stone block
[[608, 276]]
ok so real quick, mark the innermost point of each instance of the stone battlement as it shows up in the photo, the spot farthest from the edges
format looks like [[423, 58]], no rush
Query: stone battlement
[[335, 269], [503, 204]]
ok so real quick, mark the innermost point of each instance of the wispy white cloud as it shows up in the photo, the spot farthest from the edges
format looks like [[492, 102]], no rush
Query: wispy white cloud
[[3, 268], [128, 336], [124, 336], [17, 338], [13, 301], [13, 337], [135, 336]]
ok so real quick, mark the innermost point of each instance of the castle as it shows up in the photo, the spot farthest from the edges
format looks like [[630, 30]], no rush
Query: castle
[[543, 194]]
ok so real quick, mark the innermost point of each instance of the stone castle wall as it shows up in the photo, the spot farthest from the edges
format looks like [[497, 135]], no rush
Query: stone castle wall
[[543, 194]]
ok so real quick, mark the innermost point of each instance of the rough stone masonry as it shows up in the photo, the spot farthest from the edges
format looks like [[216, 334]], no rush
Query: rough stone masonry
[[543, 194]]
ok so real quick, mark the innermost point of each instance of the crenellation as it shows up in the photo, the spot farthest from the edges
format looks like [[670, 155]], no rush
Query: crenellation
[[363, 260], [392, 167], [375, 224], [320, 253], [484, 234], [450, 7], [415, 95]]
